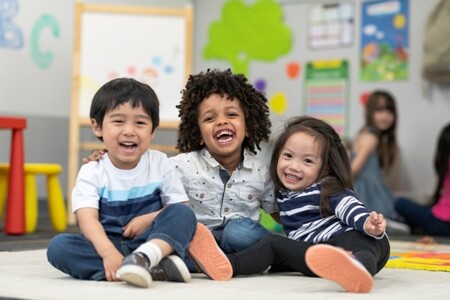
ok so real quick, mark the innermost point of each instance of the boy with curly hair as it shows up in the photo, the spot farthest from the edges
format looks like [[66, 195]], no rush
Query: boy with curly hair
[[223, 120]]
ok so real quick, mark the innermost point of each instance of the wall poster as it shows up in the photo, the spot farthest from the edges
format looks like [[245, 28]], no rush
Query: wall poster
[[326, 92]]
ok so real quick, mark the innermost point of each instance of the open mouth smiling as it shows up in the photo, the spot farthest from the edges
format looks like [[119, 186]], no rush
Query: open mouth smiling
[[128, 145], [292, 178], [224, 136]]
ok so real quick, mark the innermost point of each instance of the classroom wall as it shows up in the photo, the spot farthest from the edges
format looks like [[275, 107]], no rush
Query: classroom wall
[[35, 81], [423, 109], [41, 91]]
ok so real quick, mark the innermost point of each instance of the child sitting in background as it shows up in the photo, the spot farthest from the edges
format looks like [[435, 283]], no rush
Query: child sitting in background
[[131, 202], [374, 151], [433, 219]]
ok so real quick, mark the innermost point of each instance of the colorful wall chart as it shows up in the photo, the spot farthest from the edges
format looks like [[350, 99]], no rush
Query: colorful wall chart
[[330, 25], [384, 40], [326, 92]]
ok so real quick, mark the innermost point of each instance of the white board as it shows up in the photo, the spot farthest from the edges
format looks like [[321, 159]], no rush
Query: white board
[[148, 47]]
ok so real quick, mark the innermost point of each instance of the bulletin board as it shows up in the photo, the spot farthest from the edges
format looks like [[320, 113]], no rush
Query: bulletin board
[[326, 92], [152, 45]]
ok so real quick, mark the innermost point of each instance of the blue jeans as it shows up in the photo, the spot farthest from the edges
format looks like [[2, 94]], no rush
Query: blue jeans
[[239, 234], [73, 254], [236, 235]]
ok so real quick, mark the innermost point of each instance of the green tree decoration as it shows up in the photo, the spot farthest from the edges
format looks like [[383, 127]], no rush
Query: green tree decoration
[[248, 32]]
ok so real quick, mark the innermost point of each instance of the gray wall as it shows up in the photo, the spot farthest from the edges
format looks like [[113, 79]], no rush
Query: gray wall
[[43, 94], [423, 110]]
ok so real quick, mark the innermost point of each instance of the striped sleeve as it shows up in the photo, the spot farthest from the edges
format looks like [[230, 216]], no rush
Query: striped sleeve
[[350, 210]]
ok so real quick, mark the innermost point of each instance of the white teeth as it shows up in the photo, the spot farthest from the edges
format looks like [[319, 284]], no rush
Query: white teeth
[[289, 176], [225, 140], [223, 133]]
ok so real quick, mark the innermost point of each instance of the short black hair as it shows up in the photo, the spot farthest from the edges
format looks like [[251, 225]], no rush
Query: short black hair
[[123, 90], [233, 86]]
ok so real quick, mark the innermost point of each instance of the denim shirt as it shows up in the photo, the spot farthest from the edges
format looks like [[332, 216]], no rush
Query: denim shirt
[[248, 189]]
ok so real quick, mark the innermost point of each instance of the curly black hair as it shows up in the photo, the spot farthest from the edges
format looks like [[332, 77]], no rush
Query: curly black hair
[[233, 86]]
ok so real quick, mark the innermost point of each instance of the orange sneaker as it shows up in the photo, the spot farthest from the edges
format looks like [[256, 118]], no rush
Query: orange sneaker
[[207, 255], [337, 265]]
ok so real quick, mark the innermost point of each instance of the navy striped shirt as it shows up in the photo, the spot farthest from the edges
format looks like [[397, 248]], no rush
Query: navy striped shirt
[[301, 219]]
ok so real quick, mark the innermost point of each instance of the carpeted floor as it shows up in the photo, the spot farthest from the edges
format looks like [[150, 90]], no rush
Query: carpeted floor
[[26, 274]]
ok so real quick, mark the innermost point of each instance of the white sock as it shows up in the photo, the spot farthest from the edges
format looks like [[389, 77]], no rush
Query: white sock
[[152, 251]]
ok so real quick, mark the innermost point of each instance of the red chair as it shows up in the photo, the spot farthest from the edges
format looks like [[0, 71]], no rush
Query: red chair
[[15, 208]]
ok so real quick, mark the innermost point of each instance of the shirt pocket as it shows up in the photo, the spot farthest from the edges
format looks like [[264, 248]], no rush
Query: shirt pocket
[[201, 195], [203, 202], [249, 199]]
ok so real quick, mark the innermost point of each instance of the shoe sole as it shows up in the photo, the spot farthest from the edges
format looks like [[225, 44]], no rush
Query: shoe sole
[[336, 265], [134, 275], [175, 269], [207, 255]]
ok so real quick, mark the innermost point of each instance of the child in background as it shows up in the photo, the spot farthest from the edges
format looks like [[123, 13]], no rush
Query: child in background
[[433, 219], [374, 151], [131, 202], [325, 223], [223, 121]]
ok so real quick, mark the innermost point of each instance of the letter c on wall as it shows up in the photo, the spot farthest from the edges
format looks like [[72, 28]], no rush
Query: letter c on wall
[[43, 59]]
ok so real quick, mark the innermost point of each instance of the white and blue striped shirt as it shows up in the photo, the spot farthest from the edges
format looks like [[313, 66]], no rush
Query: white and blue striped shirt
[[120, 195]]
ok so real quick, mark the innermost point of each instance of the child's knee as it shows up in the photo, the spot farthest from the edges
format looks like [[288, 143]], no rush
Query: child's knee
[[182, 212], [239, 234], [57, 243], [56, 249]]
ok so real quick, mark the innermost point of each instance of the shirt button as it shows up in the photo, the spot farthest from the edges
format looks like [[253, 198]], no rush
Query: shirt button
[[226, 209], [202, 195], [229, 185]]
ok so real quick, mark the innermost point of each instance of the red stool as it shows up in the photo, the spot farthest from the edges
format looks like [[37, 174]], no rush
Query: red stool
[[15, 210]]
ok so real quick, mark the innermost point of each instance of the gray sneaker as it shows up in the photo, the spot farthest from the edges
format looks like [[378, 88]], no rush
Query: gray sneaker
[[171, 268], [134, 270]]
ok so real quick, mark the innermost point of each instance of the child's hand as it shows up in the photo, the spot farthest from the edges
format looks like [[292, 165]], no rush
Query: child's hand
[[137, 226], [111, 264], [375, 224], [95, 156]]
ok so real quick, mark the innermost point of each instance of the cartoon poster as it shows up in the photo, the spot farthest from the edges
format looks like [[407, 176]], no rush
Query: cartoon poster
[[326, 92], [384, 40], [330, 25]]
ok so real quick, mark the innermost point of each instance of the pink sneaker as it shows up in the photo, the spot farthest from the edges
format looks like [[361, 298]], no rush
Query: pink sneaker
[[207, 255], [337, 265]]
